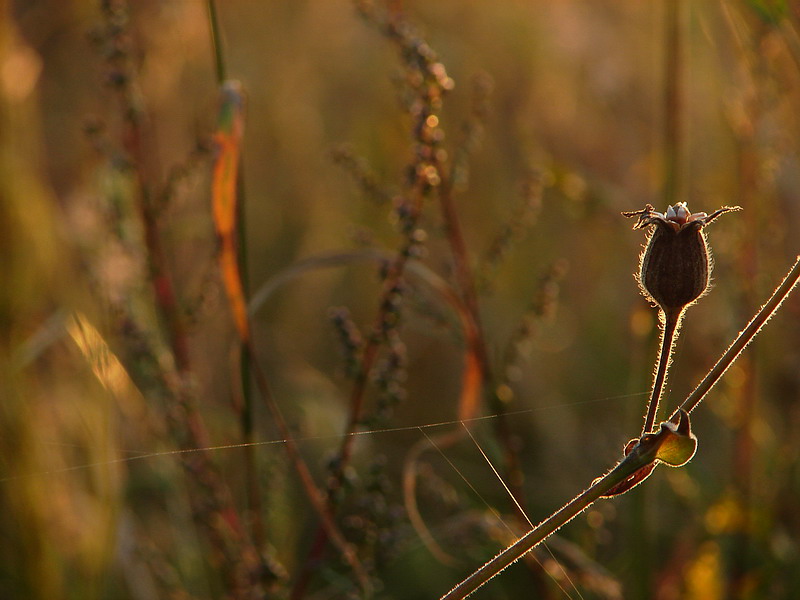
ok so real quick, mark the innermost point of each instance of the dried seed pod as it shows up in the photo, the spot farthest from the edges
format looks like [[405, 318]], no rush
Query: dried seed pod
[[675, 266], [675, 271]]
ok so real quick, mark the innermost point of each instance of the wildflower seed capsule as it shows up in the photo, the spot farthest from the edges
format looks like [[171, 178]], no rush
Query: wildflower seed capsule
[[675, 265]]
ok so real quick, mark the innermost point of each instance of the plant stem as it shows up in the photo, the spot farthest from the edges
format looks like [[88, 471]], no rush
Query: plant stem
[[744, 338], [397, 30], [673, 103], [246, 409], [477, 342], [210, 503], [639, 456], [624, 469], [216, 42], [315, 496], [669, 330]]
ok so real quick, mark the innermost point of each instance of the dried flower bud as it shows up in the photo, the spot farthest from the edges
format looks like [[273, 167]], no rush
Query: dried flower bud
[[675, 266]]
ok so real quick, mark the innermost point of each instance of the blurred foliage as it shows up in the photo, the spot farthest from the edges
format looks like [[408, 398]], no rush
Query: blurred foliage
[[555, 125]]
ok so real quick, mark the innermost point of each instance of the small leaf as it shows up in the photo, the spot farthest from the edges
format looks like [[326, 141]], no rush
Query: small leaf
[[673, 445], [677, 450], [678, 443], [638, 477], [631, 482]]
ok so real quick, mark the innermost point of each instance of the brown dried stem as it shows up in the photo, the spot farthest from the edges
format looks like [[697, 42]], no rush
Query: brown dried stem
[[429, 82], [211, 505], [467, 286], [318, 500]]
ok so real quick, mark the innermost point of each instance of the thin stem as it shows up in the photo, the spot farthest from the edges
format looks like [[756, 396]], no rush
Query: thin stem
[[368, 359], [247, 416], [466, 282], [668, 336], [210, 501], [246, 420], [216, 42], [316, 497], [624, 469], [673, 103], [429, 96], [639, 457], [743, 339], [463, 272]]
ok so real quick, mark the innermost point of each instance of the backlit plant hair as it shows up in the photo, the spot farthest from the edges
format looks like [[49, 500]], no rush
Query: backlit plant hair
[[667, 263], [674, 271]]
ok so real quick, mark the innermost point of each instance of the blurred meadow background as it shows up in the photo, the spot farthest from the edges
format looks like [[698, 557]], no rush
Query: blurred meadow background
[[428, 230]]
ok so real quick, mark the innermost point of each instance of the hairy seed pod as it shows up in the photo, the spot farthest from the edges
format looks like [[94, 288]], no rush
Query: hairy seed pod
[[675, 266], [675, 271]]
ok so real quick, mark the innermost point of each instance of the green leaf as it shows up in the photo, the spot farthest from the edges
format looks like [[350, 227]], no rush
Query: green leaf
[[678, 443]]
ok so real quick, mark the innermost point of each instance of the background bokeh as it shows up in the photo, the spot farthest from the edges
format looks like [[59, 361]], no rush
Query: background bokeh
[[574, 109]]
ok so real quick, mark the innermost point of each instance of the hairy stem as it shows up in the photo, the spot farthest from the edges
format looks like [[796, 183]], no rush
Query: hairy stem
[[624, 469], [743, 339], [669, 330], [640, 456]]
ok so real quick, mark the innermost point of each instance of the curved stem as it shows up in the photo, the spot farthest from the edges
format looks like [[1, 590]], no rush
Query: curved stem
[[668, 336]]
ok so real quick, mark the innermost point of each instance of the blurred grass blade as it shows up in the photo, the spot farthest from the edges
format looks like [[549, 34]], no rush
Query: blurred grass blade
[[228, 138], [104, 363]]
